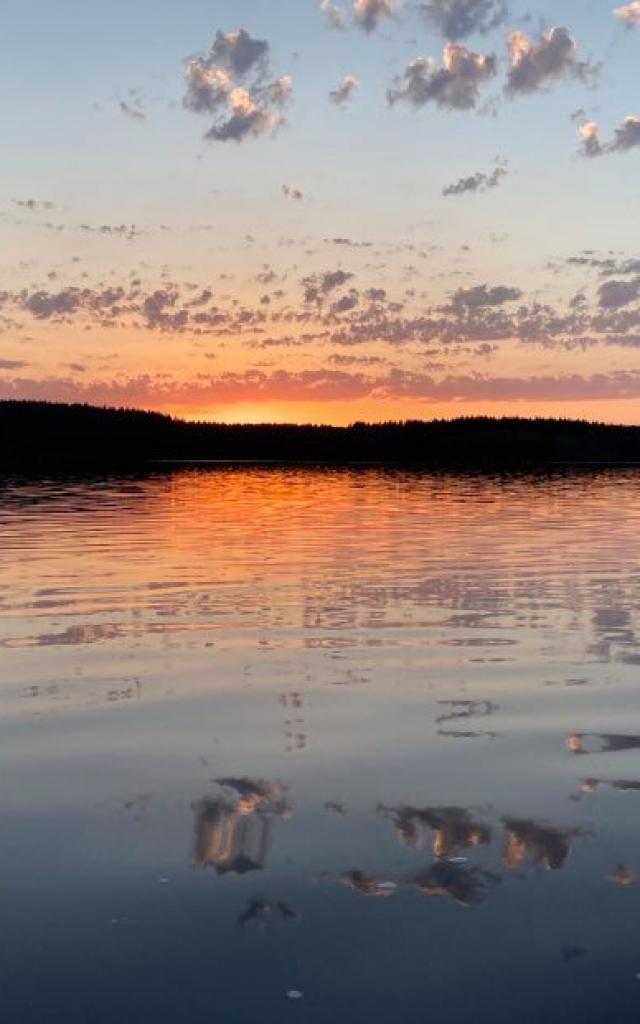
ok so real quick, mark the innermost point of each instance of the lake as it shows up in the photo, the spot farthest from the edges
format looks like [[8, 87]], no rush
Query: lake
[[327, 746]]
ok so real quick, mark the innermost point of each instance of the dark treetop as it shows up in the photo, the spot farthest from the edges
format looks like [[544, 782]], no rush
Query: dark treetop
[[42, 437]]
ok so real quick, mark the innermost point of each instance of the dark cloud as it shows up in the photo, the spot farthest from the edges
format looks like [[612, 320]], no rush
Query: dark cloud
[[343, 93], [34, 204], [289, 192], [606, 266], [44, 305], [542, 843], [348, 243], [625, 137], [324, 385], [128, 231], [346, 303], [239, 52], [231, 82], [364, 14], [481, 296], [457, 19], [318, 286], [12, 364], [615, 294], [454, 86], [132, 110], [344, 315], [478, 182], [368, 14], [133, 106], [535, 64]]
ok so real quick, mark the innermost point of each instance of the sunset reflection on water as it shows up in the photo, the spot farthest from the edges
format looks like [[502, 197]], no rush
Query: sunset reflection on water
[[258, 696]]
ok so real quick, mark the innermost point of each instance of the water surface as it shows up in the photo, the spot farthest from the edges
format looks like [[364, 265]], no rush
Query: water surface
[[372, 737]]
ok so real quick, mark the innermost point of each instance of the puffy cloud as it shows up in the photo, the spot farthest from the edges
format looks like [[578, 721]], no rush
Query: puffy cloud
[[553, 55], [335, 16], [615, 294], [590, 144], [292, 193], [365, 14], [246, 116], [457, 19], [478, 182], [346, 303], [629, 14], [344, 91], [231, 81], [454, 86], [207, 89], [625, 137], [481, 296], [239, 52], [317, 286], [369, 13], [45, 305]]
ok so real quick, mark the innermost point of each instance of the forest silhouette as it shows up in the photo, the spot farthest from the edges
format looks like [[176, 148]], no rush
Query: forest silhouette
[[44, 436]]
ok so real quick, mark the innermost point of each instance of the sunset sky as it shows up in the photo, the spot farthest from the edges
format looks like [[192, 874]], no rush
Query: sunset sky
[[296, 210]]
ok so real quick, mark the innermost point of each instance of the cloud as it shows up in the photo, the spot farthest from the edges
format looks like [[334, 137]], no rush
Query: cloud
[[552, 56], [323, 385], [348, 243], [369, 13], [454, 86], [365, 14], [481, 296], [335, 16], [232, 82], [457, 19], [239, 52], [132, 110], [331, 307], [589, 133], [629, 14], [12, 364], [292, 193], [317, 286], [606, 266], [625, 137], [344, 91], [615, 294], [478, 182], [346, 303], [34, 204], [44, 305]]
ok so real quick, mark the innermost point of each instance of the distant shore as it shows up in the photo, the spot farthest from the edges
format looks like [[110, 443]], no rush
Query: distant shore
[[42, 437]]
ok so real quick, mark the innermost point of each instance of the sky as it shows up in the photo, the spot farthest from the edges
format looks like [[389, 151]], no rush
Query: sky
[[322, 210]]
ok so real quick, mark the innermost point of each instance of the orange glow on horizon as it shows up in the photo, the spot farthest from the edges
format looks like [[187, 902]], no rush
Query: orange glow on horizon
[[614, 411]]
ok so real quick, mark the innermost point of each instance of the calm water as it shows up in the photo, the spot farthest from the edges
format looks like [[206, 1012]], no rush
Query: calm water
[[370, 737]]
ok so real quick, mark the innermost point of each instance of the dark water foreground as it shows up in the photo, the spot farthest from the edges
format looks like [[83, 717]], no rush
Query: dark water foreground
[[372, 738]]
